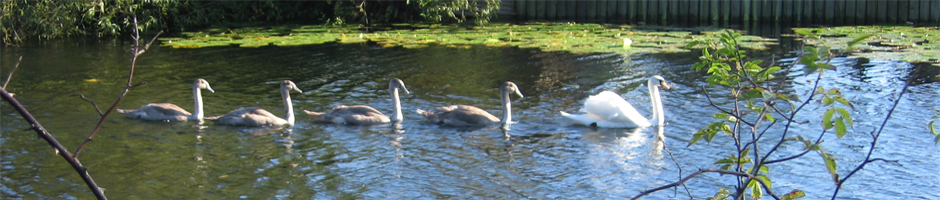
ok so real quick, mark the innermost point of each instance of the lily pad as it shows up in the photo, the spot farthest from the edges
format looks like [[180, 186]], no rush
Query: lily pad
[[912, 44]]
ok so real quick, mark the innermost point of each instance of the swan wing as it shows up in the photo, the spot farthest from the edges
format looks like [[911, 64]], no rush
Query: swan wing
[[459, 115], [583, 119], [251, 116], [612, 108], [359, 115], [158, 112]]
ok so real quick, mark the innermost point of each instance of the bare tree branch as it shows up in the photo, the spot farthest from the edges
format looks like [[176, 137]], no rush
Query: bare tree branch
[[712, 103], [138, 50], [60, 150], [874, 141], [687, 191], [702, 171], [17, 65], [90, 101]]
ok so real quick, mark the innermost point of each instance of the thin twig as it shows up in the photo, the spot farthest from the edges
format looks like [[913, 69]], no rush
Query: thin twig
[[712, 103], [139, 84], [687, 191], [60, 150], [886, 160], [701, 171], [130, 77], [787, 158], [89, 101], [17, 65], [873, 142]]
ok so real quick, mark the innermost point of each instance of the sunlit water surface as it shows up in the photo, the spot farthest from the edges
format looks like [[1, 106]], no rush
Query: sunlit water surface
[[544, 157]]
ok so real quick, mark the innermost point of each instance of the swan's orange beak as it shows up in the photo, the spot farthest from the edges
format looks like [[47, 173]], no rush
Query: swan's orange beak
[[663, 84]]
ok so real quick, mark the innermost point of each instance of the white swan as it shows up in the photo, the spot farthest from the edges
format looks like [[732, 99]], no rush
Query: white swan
[[169, 111], [363, 114], [253, 116], [609, 110], [464, 115]]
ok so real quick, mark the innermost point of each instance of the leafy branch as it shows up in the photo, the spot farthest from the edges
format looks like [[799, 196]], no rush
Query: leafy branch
[[758, 104]]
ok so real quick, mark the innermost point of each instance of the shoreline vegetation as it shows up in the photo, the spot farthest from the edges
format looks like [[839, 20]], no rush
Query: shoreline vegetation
[[27, 20], [408, 24]]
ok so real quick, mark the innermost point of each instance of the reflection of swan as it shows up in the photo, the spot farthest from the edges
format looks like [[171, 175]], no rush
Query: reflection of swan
[[362, 114], [609, 110], [464, 115], [169, 111], [253, 116]]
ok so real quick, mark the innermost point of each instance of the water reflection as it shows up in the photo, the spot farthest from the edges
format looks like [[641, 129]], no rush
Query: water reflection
[[540, 157]]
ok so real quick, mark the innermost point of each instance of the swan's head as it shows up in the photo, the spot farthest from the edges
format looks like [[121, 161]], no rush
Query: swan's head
[[203, 84], [657, 80], [510, 88], [289, 85], [396, 83]]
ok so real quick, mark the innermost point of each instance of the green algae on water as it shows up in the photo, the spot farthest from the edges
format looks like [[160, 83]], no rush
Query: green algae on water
[[569, 37], [906, 43]]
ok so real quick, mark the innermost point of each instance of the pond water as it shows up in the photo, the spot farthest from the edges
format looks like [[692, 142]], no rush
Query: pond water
[[544, 157]]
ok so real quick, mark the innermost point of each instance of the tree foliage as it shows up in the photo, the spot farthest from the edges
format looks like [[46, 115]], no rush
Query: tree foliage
[[23, 20], [760, 104]]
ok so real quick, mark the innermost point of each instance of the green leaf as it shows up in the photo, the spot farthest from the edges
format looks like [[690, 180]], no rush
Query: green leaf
[[756, 191], [726, 167], [720, 116], [692, 44], [769, 117], [721, 195], [698, 66], [766, 94], [827, 101], [809, 69], [766, 180], [823, 52], [764, 169], [827, 118], [725, 161], [726, 128], [851, 44], [843, 102], [803, 32], [840, 127], [830, 163], [695, 139], [811, 51], [795, 194], [932, 130], [725, 51], [845, 115], [936, 139]]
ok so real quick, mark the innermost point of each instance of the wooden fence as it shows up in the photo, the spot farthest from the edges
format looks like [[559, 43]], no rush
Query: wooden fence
[[729, 12]]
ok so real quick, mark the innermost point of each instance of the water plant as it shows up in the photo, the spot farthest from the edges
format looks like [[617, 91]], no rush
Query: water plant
[[570, 37]]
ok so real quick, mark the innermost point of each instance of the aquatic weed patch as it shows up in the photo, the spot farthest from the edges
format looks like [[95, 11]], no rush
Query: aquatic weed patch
[[570, 37], [912, 44]]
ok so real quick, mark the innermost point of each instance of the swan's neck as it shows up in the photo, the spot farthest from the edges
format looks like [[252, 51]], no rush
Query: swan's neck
[[397, 102], [507, 108], [197, 96], [288, 106], [657, 104]]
